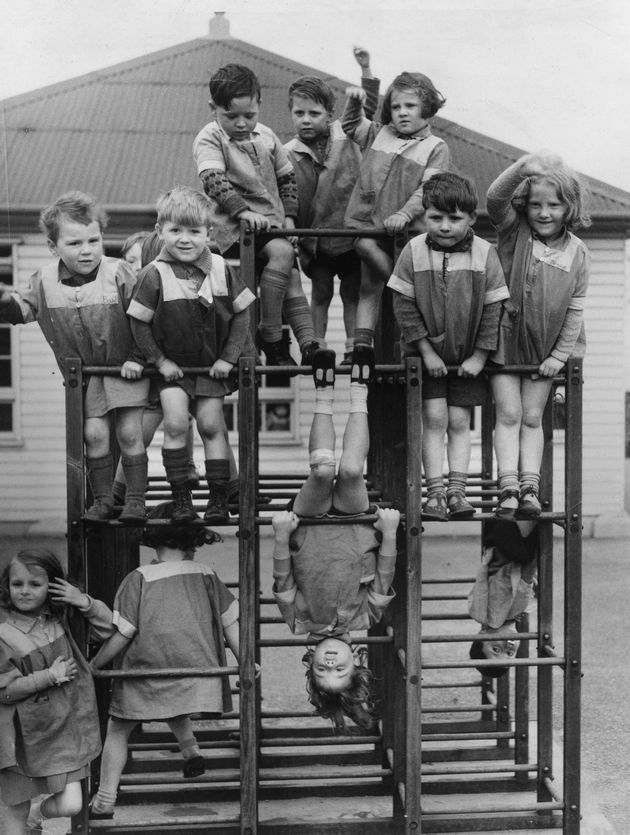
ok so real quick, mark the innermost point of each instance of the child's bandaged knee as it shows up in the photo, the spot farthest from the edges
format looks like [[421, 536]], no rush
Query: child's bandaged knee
[[322, 458]]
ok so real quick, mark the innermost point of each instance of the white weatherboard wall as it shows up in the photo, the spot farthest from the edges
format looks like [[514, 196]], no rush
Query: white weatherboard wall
[[32, 473]]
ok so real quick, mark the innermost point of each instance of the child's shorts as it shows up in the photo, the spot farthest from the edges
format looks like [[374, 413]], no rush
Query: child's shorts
[[344, 265], [458, 391], [196, 385]]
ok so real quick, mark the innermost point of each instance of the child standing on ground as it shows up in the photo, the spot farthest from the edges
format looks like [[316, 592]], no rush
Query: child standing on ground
[[448, 288], [333, 580], [326, 164], [247, 175], [48, 716], [535, 204], [191, 309], [174, 612], [80, 303], [398, 157]]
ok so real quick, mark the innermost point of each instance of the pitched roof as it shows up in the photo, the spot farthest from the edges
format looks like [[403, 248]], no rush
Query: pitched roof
[[125, 133]]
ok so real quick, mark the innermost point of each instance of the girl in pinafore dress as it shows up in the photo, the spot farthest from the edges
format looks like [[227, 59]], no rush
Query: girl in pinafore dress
[[173, 612], [331, 581], [535, 204], [49, 730]]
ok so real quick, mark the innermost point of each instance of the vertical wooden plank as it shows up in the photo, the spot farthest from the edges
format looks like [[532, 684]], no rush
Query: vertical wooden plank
[[544, 726], [573, 596], [248, 595], [413, 642], [521, 705], [75, 469]]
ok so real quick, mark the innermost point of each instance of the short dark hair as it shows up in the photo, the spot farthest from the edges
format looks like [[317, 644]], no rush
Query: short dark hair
[[132, 240], [231, 82], [181, 537], [77, 207], [431, 98], [312, 87], [449, 192], [38, 558]]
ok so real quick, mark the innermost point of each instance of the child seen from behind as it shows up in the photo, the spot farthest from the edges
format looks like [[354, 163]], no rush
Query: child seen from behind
[[191, 309], [448, 288], [48, 715], [80, 303], [535, 205], [174, 612]]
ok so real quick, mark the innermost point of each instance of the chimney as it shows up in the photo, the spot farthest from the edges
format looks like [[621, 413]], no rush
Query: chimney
[[219, 27]]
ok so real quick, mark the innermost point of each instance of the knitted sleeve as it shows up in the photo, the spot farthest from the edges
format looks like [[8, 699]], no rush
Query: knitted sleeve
[[287, 187], [217, 186]]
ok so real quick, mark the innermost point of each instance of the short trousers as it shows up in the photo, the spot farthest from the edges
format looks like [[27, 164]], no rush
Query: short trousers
[[197, 385], [458, 391], [345, 265]]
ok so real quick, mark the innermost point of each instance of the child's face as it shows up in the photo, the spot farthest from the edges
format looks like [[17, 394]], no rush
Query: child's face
[[406, 109], [546, 213], [133, 257], [333, 665], [28, 588], [447, 228], [80, 247], [500, 648], [240, 118], [310, 118], [184, 243]]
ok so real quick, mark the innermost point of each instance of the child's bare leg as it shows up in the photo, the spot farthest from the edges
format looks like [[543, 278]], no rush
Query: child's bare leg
[[315, 495], [506, 391], [100, 466], [350, 493], [182, 728], [113, 761], [535, 394], [15, 818], [323, 287], [434, 426], [458, 454], [65, 804], [376, 268], [211, 426]]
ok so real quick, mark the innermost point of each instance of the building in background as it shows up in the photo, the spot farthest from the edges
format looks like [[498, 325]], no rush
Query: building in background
[[125, 135]]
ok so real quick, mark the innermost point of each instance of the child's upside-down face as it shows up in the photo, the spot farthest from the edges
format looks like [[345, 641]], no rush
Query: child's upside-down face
[[500, 647], [333, 665]]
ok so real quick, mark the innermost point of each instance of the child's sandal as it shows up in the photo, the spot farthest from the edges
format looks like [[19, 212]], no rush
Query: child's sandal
[[362, 370], [435, 509], [323, 363], [508, 503], [194, 767], [459, 507], [529, 504]]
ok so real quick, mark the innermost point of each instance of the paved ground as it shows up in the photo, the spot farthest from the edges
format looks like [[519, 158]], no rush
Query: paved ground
[[605, 723]]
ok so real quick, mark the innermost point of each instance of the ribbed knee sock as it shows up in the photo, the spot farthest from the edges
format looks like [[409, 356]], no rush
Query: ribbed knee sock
[[273, 288], [135, 469], [100, 475], [298, 314], [456, 483], [324, 399], [364, 336], [176, 465]]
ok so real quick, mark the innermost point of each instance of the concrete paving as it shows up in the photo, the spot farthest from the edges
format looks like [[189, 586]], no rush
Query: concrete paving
[[605, 723]]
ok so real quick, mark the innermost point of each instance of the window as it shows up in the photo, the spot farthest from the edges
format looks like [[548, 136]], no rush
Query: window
[[8, 359]]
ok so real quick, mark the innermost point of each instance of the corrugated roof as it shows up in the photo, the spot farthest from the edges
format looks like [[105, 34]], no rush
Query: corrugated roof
[[125, 133]]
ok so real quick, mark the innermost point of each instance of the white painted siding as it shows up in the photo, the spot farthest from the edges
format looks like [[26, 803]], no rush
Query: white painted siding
[[33, 474]]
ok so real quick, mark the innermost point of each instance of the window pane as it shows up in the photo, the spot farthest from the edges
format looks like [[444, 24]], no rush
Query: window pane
[[278, 417], [6, 417], [228, 414], [5, 372], [5, 342]]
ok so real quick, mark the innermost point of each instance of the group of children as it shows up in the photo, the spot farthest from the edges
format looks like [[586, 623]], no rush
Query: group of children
[[171, 305]]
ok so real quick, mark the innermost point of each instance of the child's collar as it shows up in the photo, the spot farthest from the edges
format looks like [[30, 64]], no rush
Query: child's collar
[[204, 262], [461, 246]]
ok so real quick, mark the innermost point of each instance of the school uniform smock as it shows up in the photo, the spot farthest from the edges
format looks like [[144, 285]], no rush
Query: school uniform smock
[[451, 298], [547, 293], [330, 589], [253, 167], [85, 317], [174, 613], [48, 734], [192, 310], [392, 171]]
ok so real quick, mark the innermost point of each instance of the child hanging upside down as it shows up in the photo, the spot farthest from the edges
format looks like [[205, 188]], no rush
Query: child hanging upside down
[[332, 580]]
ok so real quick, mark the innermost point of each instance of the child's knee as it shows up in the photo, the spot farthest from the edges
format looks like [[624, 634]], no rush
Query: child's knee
[[280, 255], [351, 471], [322, 464]]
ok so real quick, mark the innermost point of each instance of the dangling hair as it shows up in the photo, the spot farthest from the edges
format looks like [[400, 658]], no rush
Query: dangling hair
[[356, 702]]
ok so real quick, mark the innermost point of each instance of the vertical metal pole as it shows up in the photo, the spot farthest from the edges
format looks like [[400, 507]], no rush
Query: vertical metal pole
[[75, 470], [413, 643], [544, 675], [573, 595]]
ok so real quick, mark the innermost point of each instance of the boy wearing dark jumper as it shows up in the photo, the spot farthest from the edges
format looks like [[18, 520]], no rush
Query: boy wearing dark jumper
[[191, 309], [80, 304], [248, 177], [448, 287]]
